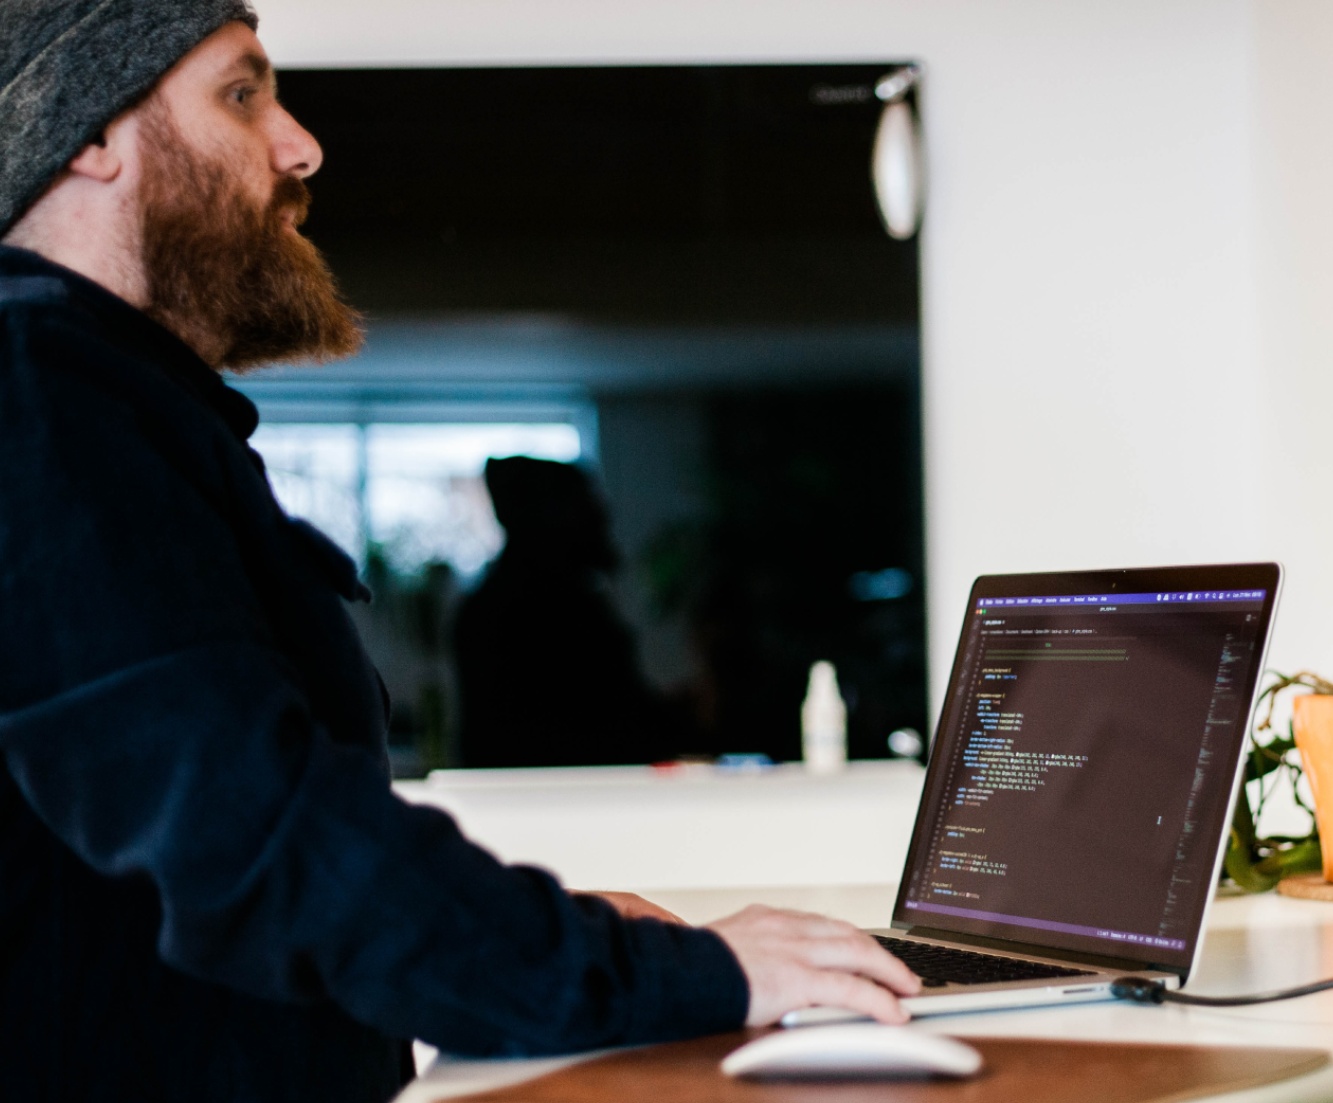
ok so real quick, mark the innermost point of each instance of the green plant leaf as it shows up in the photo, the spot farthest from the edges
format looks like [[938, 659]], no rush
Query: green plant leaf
[[1242, 868], [1303, 857]]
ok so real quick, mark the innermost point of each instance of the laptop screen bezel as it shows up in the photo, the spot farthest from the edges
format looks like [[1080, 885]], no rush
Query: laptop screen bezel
[[1212, 577]]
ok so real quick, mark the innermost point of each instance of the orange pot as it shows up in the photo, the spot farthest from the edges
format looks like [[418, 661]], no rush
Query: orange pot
[[1312, 725]]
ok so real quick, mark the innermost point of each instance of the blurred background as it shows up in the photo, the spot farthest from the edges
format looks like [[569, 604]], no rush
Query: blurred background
[[675, 278], [1125, 268]]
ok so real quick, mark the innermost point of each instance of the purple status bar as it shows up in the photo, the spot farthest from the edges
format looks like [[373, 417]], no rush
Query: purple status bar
[[1154, 941], [1162, 598]]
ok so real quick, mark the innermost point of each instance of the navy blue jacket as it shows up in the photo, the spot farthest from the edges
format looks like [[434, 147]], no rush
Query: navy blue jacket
[[208, 890]]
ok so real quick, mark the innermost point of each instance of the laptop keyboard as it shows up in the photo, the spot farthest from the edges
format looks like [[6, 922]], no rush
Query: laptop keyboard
[[941, 965]]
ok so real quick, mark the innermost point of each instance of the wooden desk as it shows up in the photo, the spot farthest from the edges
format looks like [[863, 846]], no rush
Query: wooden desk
[[1253, 943]]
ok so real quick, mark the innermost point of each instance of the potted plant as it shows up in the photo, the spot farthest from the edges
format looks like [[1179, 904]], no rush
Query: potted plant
[[1257, 863]]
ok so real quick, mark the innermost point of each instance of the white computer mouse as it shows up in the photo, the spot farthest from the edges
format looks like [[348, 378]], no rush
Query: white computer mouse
[[860, 1050]]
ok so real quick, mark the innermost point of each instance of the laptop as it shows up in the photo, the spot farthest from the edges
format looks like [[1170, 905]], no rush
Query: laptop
[[1081, 784]]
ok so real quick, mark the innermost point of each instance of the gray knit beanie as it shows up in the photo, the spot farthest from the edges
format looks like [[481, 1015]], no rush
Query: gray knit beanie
[[68, 67]]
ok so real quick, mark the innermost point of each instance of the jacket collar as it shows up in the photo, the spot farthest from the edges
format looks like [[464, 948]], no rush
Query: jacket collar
[[131, 327]]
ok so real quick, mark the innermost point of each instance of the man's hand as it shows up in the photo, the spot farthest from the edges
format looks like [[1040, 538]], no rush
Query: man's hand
[[795, 959], [633, 906]]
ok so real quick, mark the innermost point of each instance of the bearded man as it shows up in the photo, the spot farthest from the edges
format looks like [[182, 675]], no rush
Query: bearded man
[[207, 887]]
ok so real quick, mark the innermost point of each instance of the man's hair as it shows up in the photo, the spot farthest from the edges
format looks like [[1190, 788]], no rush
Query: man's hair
[[68, 67]]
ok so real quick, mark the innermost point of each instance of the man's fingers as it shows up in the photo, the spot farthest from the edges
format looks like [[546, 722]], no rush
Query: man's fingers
[[835, 944], [794, 959], [856, 952], [830, 988]]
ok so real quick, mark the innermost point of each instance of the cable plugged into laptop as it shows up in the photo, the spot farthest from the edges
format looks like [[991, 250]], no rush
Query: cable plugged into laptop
[[1139, 990], [1147, 990]]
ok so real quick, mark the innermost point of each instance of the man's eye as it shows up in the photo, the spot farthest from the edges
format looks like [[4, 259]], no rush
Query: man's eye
[[242, 96]]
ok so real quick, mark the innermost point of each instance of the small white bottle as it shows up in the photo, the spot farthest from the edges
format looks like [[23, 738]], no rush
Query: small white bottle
[[824, 722]]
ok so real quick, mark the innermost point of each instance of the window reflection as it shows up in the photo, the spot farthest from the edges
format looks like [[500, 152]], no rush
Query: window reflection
[[411, 494]]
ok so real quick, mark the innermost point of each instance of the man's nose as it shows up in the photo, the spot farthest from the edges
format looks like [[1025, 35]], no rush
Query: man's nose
[[295, 151]]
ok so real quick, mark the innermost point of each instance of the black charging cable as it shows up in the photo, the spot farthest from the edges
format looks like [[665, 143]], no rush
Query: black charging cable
[[1147, 990]]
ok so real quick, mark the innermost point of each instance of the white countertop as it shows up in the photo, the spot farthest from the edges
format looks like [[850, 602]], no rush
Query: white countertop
[[609, 827]]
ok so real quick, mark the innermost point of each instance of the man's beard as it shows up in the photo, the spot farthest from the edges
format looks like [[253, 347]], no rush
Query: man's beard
[[227, 275]]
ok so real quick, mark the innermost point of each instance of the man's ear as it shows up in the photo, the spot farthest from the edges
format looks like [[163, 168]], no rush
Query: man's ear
[[103, 159], [97, 161]]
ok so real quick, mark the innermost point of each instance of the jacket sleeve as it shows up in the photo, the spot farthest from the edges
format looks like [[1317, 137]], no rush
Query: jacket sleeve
[[153, 724]]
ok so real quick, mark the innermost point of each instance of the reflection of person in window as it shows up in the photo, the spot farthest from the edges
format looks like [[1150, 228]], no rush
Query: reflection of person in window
[[548, 670], [208, 890]]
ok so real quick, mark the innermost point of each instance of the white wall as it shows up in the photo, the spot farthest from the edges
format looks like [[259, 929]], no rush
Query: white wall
[[1128, 254], [1293, 166]]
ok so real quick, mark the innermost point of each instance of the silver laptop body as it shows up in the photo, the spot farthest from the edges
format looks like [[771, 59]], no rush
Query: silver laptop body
[[1083, 777]]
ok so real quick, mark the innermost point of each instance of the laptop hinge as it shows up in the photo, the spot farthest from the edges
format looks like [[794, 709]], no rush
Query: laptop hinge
[[1005, 945]]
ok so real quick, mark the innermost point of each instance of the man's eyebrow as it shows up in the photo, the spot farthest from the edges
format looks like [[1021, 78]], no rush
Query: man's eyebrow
[[257, 65]]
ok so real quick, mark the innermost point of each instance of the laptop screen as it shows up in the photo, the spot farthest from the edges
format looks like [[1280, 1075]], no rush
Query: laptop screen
[[1079, 784]]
